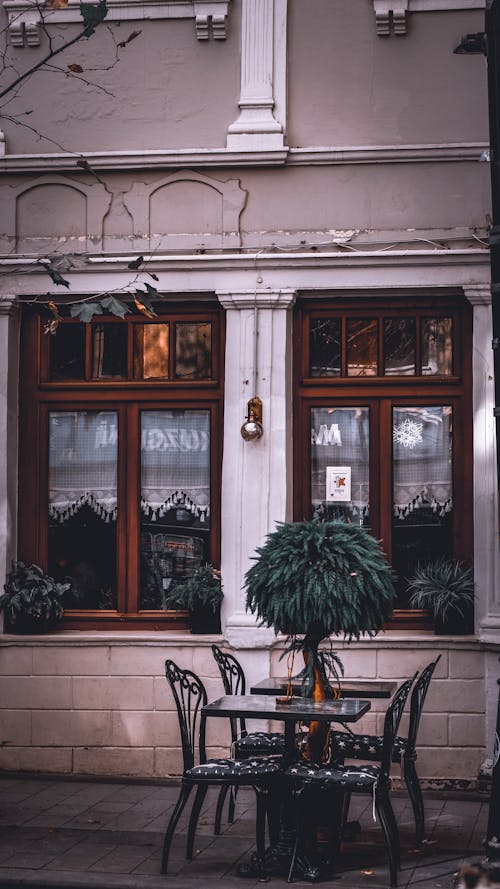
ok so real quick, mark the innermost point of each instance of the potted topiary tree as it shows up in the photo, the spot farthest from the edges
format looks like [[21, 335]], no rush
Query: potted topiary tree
[[32, 601], [201, 595], [313, 579], [446, 588]]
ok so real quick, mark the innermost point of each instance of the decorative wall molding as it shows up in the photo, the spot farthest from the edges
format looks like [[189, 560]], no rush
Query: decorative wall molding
[[25, 17], [222, 157], [96, 203], [263, 61], [391, 15], [221, 204]]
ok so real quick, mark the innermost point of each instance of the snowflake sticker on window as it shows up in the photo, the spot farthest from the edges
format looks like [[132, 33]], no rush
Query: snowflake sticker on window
[[408, 433], [338, 483]]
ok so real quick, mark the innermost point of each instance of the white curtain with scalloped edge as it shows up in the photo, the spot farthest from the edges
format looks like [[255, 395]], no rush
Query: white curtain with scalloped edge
[[83, 451], [83, 462]]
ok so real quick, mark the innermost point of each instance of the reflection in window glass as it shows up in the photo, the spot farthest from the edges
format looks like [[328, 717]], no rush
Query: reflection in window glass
[[83, 505], [109, 351], [340, 446], [325, 344], [151, 351], [175, 499], [362, 347], [67, 353], [437, 346], [399, 346], [422, 489], [193, 351]]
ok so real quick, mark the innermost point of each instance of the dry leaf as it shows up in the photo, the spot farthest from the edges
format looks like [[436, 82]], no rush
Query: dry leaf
[[77, 69], [130, 37], [55, 311], [143, 309], [57, 4]]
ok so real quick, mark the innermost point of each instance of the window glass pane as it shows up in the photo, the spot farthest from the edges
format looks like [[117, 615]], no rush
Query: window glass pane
[[83, 504], [151, 351], [175, 499], [193, 351], [437, 346], [362, 347], [109, 351], [422, 489], [325, 344], [340, 446], [399, 346], [67, 352]]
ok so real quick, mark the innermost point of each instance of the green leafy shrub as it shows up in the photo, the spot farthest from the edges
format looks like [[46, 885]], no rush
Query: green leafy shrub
[[32, 596], [203, 588], [445, 587]]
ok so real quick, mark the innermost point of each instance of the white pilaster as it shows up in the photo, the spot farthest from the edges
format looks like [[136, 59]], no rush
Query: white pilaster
[[9, 371], [256, 475], [263, 77], [486, 554]]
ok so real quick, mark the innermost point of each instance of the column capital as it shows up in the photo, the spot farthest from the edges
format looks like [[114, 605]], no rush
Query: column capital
[[284, 298], [8, 304], [477, 294]]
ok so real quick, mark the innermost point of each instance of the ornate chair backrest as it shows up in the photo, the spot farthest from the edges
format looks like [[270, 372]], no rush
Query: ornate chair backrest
[[417, 703], [393, 716], [233, 678], [190, 696]]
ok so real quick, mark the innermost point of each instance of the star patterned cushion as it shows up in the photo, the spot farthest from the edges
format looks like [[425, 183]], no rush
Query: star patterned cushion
[[353, 778], [257, 767], [347, 746], [260, 742]]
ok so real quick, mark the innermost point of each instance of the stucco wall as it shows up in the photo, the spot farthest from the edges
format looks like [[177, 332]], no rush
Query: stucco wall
[[79, 705], [344, 91], [146, 99]]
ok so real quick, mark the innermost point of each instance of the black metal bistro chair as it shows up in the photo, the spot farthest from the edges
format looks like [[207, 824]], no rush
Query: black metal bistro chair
[[243, 743], [345, 780], [348, 745], [260, 773]]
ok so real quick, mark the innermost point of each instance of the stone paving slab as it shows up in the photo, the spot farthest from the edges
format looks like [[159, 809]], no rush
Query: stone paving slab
[[70, 834]]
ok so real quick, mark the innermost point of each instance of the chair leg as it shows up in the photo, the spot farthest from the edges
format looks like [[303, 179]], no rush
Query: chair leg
[[262, 794], [201, 793], [297, 792], [389, 825], [221, 799], [415, 793], [231, 806], [172, 824]]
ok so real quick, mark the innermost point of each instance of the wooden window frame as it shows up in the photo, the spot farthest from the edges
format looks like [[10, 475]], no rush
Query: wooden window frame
[[38, 396], [381, 394]]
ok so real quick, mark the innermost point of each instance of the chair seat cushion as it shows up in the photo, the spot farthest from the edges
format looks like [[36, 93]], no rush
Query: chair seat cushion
[[245, 769], [347, 746], [257, 742], [352, 778]]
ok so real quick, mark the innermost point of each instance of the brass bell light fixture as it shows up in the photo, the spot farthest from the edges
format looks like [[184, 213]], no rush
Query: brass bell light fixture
[[252, 428]]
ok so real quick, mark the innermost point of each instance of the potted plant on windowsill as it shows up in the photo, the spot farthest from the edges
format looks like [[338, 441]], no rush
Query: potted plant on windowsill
[[446, 588], [201, 595], [313, 579], [32, 601]]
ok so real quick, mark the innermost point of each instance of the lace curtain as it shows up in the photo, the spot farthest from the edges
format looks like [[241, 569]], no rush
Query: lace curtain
[[175, 462]]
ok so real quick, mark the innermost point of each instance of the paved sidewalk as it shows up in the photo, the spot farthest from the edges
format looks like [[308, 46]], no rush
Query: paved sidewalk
[[65, 834]]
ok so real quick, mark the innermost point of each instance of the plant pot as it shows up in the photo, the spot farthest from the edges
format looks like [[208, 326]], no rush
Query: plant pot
[[205, 620], [28, 624], [454, 624]]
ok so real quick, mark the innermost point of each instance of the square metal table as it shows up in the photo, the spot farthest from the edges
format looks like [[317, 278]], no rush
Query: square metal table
[[297, 710]]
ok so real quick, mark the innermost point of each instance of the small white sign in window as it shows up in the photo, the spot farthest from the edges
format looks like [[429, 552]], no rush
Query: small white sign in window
[[338, 483]]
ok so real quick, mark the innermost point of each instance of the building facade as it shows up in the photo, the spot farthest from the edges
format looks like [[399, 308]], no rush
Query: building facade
[[206, 202]]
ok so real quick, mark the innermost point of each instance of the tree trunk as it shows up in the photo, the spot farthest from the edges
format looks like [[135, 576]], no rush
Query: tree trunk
[[318, 733]]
